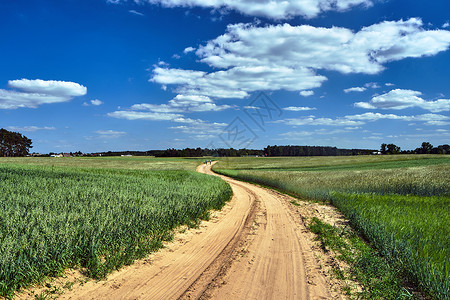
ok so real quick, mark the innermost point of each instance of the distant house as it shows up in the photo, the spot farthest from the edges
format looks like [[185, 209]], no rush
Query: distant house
[[376, 153]]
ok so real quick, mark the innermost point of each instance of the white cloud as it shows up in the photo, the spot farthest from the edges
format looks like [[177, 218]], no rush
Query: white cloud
[[33, 93], [188, 49], [429, 119], [136, 12], [274, 9], [446, 25], [352, 121], [29, 128], [201, 130], [334, 48], [401, 99], [171, 111], [377, 116], [372, 85], [433, 119], [306, 93], [355, 89], [285, 57], [110, 134], [389, 84], [140, 115], [48, 87], [298, 108], [237, 82], [312, 120], [360, 89], [183, 104], [94, 102], [299, 134]]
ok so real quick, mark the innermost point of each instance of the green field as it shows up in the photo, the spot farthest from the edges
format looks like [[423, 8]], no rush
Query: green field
[[98, 216], [401, 203], [109, 162]]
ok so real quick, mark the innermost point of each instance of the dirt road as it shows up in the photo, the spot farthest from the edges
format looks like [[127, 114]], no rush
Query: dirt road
[[252, 249]]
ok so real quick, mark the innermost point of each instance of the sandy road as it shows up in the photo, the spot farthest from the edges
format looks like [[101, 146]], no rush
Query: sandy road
[[253, 250]]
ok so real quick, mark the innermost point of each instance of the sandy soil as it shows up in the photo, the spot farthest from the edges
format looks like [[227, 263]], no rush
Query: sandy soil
[[257, 247]]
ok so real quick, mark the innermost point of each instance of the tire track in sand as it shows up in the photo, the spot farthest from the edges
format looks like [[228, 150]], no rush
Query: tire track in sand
[[254, 251]]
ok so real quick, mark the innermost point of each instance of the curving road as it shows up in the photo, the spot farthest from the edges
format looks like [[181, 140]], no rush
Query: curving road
[[253, 250]]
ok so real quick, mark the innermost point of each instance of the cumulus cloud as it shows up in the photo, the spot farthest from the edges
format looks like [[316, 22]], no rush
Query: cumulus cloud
[[141, 115], [429, 119], [274, 9], [33, 93], [360, 119], [298, 108], [196, 128], [401, 99], [355, 89], [29, 128], [237, 82], [377, 116], [334, 48], [172, 111], [372, 85], [183, 104], [312, 120], [306, 93], [285, 57], [48, 87], [188, 49], [94, 102]]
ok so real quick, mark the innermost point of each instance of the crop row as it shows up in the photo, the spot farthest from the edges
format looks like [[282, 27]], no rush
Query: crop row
[[52, 219], [404, 212]]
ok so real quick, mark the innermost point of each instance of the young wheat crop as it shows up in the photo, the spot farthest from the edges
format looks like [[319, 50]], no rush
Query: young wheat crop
[[98, 219], [400, 203]]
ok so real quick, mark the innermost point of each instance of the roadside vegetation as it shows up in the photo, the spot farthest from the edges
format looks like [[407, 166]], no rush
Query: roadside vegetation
[[96, 219], [400, 204]]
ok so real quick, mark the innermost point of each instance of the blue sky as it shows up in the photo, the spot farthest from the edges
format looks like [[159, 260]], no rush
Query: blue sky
[[103, 75]]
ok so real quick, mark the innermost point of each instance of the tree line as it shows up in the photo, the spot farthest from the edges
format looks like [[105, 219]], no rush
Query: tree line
[[291, 150], [231, 152], [16, 144], [425, 148], [13, 143]]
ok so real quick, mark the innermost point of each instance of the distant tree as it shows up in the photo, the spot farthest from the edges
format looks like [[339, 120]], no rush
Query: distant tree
[[441, 149], [445, 149], [13, 143], [426, 148], [383, 148], [392, 149]]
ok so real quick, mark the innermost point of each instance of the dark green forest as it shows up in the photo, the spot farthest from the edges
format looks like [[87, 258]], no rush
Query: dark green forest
[[13, 144]]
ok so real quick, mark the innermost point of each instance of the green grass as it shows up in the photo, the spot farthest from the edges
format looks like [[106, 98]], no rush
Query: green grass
[[400, 203], [110, 162], [54, 218], [318, 163], [379, 279]]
